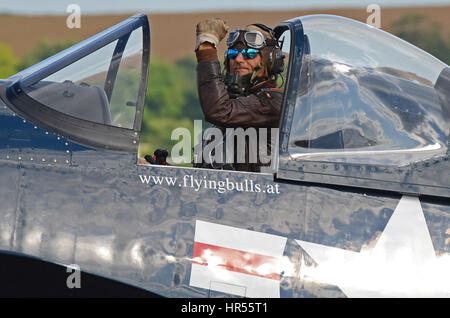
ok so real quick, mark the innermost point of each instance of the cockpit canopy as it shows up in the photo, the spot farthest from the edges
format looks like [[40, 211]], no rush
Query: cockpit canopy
[[358, 95], [366, 97]]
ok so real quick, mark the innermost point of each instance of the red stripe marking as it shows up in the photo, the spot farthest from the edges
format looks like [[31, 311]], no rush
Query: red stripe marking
[[236, 260], [277, 89]]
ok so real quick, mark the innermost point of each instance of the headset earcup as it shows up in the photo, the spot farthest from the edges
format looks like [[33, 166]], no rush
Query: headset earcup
[[276, 62]]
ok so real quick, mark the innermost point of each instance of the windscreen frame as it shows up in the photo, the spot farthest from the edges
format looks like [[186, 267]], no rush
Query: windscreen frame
[[91, 134]]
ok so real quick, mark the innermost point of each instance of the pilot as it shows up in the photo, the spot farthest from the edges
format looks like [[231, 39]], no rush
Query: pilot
[[245, 95]]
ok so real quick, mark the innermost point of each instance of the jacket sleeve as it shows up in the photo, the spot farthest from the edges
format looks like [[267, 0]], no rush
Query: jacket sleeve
[[256, 110]]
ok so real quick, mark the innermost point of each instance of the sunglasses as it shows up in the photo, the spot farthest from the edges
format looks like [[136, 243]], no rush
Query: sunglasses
[[247, 53]]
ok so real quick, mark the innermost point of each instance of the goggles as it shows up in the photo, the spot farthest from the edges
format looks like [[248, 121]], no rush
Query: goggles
[[252, 38], [247, 53]]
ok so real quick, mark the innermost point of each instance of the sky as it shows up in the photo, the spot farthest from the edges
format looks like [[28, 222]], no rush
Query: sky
[[59, 7]]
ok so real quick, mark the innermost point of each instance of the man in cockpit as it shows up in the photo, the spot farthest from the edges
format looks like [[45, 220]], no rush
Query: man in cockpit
[[246, 95]]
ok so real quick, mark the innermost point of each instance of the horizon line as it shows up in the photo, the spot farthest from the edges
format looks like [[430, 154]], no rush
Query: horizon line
[[215, 10]]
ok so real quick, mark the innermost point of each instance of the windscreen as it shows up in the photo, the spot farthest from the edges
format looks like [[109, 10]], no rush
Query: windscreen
[[101, 87]]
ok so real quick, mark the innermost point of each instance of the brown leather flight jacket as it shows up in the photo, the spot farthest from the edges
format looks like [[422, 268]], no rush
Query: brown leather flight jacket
[[261, 109]]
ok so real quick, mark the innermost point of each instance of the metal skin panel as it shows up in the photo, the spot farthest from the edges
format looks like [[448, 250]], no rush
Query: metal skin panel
[[11, 177], [111, 224], [22, 141]]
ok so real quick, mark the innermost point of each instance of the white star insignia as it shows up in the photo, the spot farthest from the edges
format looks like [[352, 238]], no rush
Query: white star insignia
[[403, 262]]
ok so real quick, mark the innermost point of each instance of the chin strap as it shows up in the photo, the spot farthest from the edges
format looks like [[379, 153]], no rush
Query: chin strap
[[243, 85], [238, 85]]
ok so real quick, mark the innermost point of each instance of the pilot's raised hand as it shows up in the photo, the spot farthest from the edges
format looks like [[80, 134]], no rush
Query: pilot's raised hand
[[211, 30]]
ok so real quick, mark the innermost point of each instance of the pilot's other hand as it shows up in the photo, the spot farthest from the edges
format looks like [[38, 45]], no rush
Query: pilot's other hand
[[159, 157], [211, 30]]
